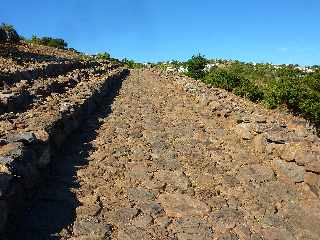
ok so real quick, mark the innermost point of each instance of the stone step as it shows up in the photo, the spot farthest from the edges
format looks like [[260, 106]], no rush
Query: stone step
[[26, 149]]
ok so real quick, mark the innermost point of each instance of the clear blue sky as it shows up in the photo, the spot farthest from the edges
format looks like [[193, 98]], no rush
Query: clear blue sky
[[278, 31]]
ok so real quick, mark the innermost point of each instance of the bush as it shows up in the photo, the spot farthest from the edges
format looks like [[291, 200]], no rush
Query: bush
[[222, 79], [131, 64], [249, 90], [50, 42], [196, 66], [176, 64], [231, 82], [301, 95], [7, 27], [103, 56], [287, 85]]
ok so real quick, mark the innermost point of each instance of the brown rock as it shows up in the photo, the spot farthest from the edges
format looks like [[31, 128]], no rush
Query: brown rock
[[243, 131], [288, 171], [163, 222], [124, 215], [140, 195], [42, 135], [93, 229], [143, 221], [313, 180], [256, 172], [132, 232], [226, 218], [313, 166], [277, 234], [174, 179], [259, 143], [181, 205], [305, 156], [192, 229], [290, 151]]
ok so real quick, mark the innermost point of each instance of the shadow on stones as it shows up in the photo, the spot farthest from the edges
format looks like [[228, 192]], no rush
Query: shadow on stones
[[53, 208]]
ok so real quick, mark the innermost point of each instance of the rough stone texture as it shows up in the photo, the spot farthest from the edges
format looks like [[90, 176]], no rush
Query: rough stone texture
[[93, 229], [165, 159], [32, 135], [180, 205], [291, 171]]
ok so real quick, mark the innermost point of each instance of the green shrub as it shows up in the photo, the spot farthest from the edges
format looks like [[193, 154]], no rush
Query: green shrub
[[231, 82], [103, 56], [131, 64], [249, 90], [7, 27], [222, 79], [50, 42], [301, 95], [196, 66], [176, 64]]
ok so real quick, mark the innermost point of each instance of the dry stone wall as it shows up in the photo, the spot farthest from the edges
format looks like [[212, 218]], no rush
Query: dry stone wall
[[29, 139]]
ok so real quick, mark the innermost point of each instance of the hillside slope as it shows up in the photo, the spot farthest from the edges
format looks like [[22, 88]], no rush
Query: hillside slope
[[166, 157]]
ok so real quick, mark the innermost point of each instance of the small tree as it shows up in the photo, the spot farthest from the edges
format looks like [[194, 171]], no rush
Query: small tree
[[196, 66]]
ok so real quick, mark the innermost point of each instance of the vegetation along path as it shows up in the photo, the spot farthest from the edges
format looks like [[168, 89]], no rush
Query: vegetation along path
[[170, 158]]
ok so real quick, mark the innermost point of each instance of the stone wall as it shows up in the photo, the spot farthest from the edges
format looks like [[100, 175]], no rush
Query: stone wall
[[25, 155]]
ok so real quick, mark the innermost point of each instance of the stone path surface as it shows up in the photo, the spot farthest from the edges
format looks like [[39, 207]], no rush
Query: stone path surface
[[169, 158]]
